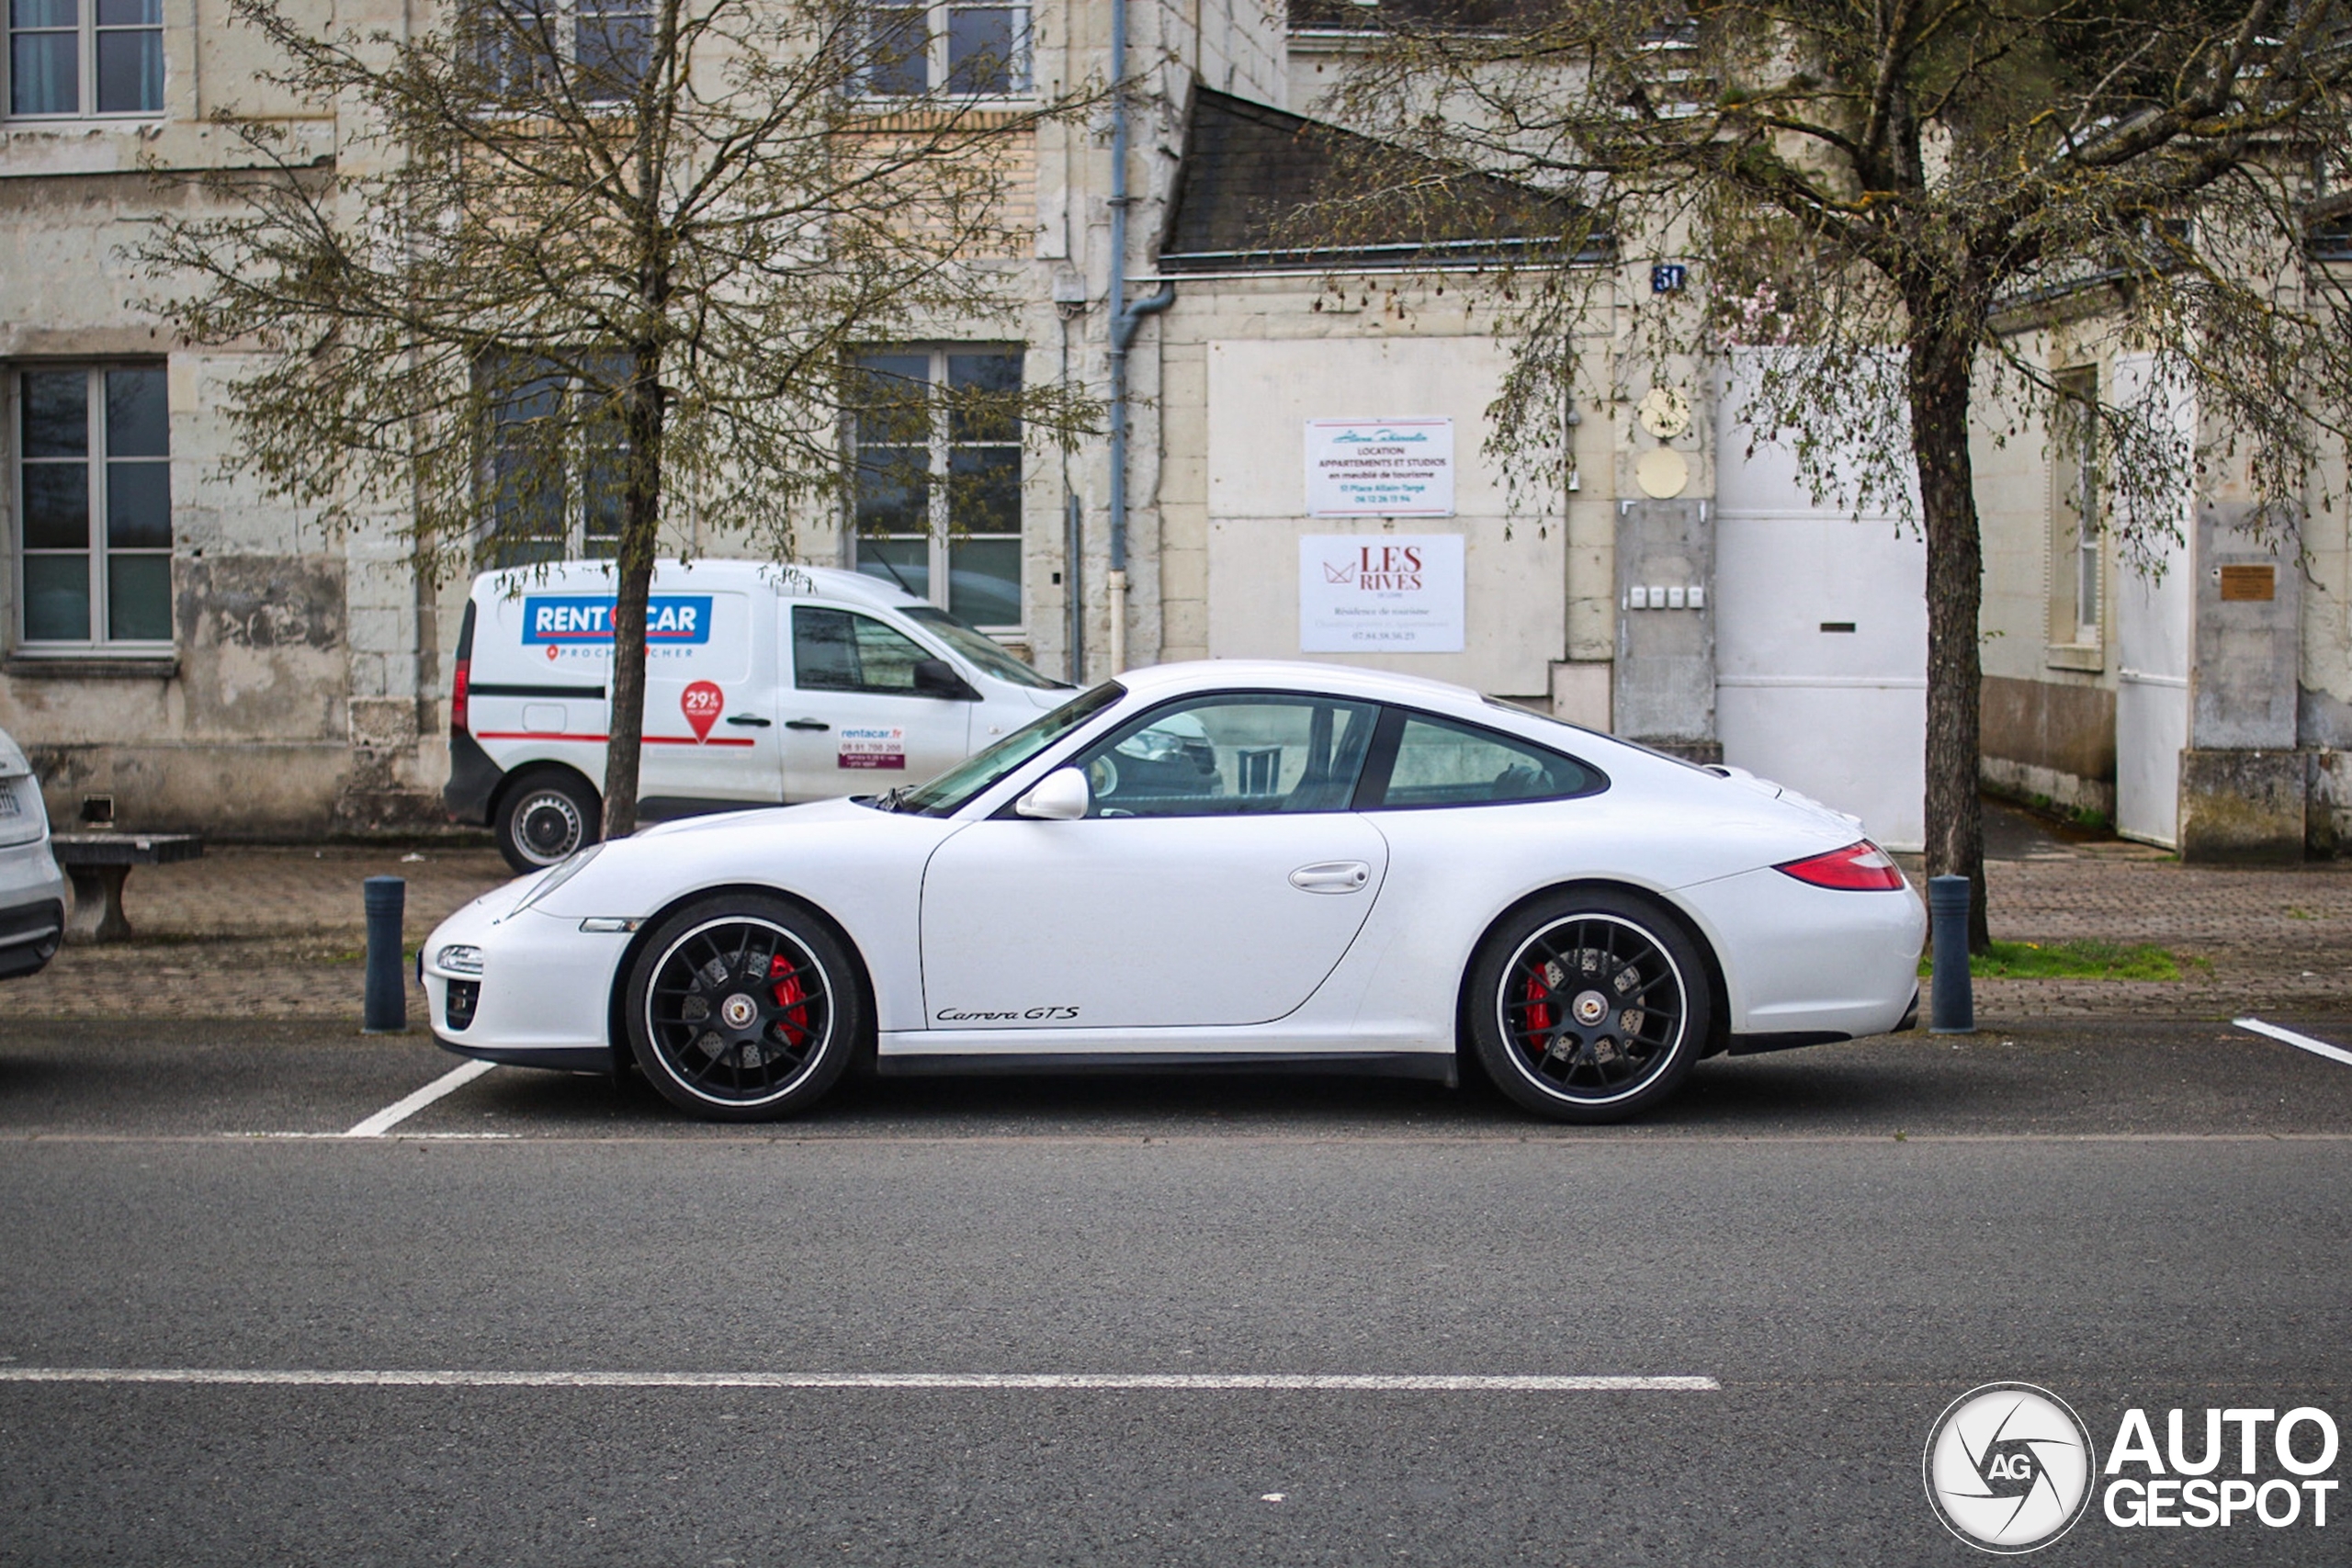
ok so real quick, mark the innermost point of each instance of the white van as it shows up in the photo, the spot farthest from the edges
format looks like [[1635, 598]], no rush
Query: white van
[[763, 683]]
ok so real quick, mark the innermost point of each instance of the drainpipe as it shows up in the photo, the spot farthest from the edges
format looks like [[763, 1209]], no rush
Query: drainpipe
[[1125, 317]]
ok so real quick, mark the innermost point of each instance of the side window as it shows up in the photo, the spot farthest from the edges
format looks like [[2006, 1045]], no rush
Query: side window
[[1443, 763], [1228, 756], [839, 650]]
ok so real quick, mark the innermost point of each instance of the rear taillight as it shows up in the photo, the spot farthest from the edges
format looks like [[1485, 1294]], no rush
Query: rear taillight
[[463, 664], [1857, 868]]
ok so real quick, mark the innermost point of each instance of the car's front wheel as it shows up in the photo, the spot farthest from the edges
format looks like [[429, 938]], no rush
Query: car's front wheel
[[1588, 1006], [743, 1007]]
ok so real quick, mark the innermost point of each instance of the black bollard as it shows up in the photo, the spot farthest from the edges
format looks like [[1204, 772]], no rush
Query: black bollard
[[386, 1011], [1953, 1008]]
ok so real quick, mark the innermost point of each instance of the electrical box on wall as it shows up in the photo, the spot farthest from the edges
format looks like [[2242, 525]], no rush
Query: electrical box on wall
[[1665, 684]]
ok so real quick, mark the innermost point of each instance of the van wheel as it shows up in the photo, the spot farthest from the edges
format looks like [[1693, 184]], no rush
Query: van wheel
[[545, 817]]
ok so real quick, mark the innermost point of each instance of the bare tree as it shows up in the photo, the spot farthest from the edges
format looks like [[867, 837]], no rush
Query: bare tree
[[574, 267], [1897, 190]]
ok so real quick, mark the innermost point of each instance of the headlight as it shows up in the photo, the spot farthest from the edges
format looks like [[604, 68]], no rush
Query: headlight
[[458, 959], [560, 875]]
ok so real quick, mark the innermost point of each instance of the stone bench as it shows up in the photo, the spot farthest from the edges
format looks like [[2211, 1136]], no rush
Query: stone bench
[[98, 862]]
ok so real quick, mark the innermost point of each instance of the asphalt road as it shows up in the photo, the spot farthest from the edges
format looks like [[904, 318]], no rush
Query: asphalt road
[[1844, 1239]]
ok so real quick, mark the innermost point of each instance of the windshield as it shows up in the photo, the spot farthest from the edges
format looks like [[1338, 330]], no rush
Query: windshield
[[959, 783], [979, 647]]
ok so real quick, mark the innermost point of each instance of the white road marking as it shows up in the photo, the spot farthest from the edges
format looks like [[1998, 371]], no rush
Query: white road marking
[[2316, 1047], [1184, 1382], [400, 1110]]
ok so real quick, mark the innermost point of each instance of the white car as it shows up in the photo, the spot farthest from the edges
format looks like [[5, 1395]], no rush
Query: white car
[[32, 890], [1224, 864]]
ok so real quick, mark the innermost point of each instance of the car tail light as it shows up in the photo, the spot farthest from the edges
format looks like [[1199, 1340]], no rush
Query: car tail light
[[462, 667], [1857, 868]]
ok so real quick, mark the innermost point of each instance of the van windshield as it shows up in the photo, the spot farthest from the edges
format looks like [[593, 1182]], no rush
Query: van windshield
[[979, 647], [950, 790]]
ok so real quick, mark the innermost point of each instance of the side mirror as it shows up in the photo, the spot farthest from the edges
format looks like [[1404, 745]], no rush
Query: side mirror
[[938, 678], [1061, 796]]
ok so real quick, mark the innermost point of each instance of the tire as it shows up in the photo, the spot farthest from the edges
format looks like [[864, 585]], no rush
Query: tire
[[743, 1007], [1548, 1018], [545, 817]]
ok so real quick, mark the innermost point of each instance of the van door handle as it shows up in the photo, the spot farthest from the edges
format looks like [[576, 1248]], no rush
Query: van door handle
[[747, 720], [1332, 876], [805, 724]]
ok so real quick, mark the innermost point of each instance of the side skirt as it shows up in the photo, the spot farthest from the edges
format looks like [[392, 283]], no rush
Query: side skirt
[[1433, 1066]]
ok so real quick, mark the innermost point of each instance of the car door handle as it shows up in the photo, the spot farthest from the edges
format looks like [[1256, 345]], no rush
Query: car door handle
[[747, 720], [1332, 876], [805, 724]]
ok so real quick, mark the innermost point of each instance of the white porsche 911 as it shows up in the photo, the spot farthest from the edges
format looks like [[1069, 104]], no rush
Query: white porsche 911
[[1222, 864]]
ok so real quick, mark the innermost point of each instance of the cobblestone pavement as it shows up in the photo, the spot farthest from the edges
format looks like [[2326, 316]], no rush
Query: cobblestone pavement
[[278, 933], [252, 933]]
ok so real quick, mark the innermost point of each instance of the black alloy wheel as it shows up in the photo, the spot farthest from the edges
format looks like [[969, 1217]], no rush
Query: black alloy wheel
[[1589, 1007], [742, 1008], [546, 819]]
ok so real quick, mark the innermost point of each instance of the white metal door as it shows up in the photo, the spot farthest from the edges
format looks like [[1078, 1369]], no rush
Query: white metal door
[[2152, 615], [853, 722], [1821, 637], [709, 714], [1142, 921]]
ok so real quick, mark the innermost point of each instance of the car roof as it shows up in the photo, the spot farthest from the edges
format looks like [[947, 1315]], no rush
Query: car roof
[[1304, 675], [786, 578]]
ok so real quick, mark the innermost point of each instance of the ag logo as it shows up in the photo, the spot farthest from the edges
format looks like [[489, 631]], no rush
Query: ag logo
[[2009, 1467]]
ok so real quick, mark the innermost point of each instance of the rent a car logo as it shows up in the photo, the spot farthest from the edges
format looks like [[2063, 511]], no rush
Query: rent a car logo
[[556, 619]]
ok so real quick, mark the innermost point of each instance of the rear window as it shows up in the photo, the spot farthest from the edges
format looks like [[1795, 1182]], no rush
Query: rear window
[[1434, 761]]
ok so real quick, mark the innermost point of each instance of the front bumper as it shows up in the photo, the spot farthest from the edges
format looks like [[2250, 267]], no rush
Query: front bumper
[[544, 996]]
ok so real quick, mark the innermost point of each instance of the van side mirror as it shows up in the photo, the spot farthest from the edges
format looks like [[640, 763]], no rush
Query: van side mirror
[[1061, 796], [938, 678]]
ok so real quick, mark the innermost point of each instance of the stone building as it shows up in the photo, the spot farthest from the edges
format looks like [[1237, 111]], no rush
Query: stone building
[[201, 657]]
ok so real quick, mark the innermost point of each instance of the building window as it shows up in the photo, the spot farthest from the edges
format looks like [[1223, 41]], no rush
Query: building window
[[598, 50], [938, 481], [2074, 542], [85, 57], [971, 50], [552, 473], [93, 494]]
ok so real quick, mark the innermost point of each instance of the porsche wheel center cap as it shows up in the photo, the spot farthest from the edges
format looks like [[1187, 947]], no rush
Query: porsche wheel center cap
[[738, 1012], [1591, 1007]]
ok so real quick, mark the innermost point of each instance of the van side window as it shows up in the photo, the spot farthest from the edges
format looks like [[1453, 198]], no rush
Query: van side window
[[839, 650], [1441, 764]]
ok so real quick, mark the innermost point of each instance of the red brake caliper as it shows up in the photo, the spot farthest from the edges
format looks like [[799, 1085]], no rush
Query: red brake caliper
[[792, 998], [1539, 1016]]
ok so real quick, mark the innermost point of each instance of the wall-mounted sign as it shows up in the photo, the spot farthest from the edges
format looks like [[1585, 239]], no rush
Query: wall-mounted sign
[[1380, 467], [2244, 584], [1668, 277], [1380, 593]]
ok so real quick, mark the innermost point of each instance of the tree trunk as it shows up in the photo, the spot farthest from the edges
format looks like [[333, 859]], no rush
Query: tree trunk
[[640, 536], [1942, 351]]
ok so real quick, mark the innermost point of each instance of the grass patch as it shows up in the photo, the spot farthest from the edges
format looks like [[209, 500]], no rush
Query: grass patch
[[2068, 961]]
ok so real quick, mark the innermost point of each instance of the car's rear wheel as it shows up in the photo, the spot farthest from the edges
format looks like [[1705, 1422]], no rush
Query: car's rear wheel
[[545, 817], [743, 1007], [1588, 1006]]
